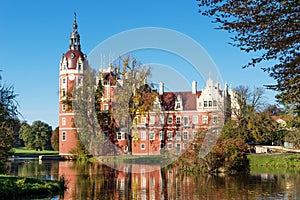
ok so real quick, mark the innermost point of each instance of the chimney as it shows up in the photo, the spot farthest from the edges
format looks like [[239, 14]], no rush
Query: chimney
[[161, 88], [194, 87]]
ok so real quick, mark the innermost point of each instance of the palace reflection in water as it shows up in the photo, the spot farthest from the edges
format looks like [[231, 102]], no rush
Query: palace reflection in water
[[98, 181]]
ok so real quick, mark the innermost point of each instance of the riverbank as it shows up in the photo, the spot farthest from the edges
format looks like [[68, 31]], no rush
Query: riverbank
[[284, 160], [14, 187], [23, 152]]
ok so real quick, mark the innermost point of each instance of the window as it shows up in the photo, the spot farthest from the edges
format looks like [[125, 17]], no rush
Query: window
[[142, 146], [64, 66], [144, 120], [79, 81], [185, 146], [143, 137], [215, 103], [63, 93], [178, 135], [177, 105], [152, 119], [161, 145], [161, 135], [205, 103], [105, 134], [170, 145], [64, 81], [170, 120], [105, 121], [178, 146], [64, 136], [79, 67], [161, 119], [195, 134], [185, 120], [185, 135], [119, 136], [63, 107], [178, 119], [170, 135], [215, 119], [105, 107], [125, 136], [205, 119], [63, 121], [195, 119], [210, 104], [151, 136]]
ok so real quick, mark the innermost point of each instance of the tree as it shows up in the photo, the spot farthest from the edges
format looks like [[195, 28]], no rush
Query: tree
[[55, 139], [270, 28], [8, 112], [131, 93], [37, 136]]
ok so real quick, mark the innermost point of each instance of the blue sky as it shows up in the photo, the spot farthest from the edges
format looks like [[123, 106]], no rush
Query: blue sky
[[34, 35]]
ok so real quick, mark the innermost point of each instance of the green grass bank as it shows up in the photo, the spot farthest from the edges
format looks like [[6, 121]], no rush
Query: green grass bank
[[14, 187], [23, 152], [274, 160]]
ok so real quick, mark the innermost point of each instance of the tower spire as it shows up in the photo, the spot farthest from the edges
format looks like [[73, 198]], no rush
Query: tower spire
[[75, 37]]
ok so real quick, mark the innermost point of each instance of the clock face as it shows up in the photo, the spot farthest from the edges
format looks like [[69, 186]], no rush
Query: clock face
[[71, 77], [72, 55]]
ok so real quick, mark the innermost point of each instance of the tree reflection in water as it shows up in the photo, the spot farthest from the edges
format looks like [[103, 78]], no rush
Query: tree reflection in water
[[97, 181]]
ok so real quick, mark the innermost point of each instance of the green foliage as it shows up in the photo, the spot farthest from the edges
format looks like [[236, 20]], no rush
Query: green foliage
[[37, 136], [55, 139], [275, 160], [271, 30], [8, 114], [15, 187]]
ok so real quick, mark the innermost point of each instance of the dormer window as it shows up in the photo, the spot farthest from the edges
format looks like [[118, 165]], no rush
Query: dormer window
[[79, 67], [178, 103], [205, 103]]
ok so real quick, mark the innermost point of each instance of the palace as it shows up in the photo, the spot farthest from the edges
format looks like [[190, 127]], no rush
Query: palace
[[171, 124]]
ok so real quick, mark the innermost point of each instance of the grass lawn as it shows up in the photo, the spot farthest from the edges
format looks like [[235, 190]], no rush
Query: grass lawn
[[23, 152], [274, 160]]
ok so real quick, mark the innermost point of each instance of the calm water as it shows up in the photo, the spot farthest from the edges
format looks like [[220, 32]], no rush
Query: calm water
[[97, 181]]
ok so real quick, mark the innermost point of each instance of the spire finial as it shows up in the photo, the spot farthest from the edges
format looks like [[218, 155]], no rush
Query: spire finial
[[75, 38], [75, 23]]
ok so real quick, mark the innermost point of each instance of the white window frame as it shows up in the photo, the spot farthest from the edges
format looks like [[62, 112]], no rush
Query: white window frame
[[63, 121], [105, 107], [170, 145], [119, 136], [215, 119], [205, 119], [185, 135], [143, 135], [178, 120], [161, 135], [161, 119], [170, 120], [195, 119], [178, 135], [170, 133], [143, 144], [185, 120], [152, 120], [152, 135], [64, 136], [63, 107]]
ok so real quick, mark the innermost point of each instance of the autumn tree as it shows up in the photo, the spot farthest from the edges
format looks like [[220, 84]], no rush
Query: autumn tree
[[270, 29], [131, 94]]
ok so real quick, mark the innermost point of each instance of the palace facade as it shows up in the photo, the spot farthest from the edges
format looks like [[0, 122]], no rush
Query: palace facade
[[171, 124]]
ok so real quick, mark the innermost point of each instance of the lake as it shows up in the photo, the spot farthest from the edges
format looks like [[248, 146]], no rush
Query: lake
[[98, 181]]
